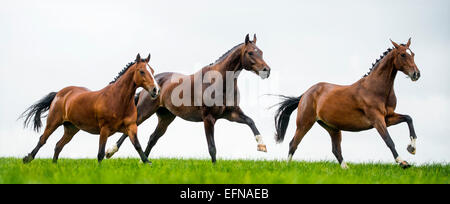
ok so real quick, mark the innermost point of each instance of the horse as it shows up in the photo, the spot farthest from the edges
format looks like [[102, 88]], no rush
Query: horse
[[102, 112], [244, 56], [368, 103]]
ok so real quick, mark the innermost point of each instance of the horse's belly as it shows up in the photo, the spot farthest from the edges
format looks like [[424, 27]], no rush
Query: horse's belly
[[345, 119], [355, 125], [88, 128], [189, 113]]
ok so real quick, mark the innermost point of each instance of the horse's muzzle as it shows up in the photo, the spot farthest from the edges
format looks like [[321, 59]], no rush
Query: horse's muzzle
[[155, 92], [265, 73], [415, 76]]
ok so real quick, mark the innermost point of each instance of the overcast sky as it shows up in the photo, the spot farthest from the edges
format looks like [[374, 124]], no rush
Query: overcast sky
[[48, 45]]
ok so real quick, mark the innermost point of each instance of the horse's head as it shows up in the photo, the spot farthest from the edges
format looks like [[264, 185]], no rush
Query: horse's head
[[144, 77], [404, 60], [252, 58]]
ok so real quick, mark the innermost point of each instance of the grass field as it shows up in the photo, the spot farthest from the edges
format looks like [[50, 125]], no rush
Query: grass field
[[173, 171]]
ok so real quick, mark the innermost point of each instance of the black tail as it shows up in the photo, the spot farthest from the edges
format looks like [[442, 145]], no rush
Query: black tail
[[34, 112], [282, 116]]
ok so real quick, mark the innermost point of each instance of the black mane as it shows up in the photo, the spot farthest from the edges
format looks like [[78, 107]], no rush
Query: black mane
[[226, 54], [377, 62], [124, 70]]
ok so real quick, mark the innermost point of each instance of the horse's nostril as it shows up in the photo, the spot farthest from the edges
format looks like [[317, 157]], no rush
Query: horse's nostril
[[155, 90]]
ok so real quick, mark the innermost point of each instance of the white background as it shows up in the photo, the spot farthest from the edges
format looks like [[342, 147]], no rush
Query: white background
[[48, 45]]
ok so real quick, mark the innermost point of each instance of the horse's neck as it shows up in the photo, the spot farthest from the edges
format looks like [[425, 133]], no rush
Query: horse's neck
[[232, 63], [124, 89], [381, 80]]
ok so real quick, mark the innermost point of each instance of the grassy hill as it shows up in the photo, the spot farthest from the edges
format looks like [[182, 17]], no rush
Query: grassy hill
[[173, 171]]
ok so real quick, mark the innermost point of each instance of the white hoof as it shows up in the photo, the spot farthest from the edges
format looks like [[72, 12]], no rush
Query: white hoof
[[412, 147], [344, 165], [289, 158], [111, 151]]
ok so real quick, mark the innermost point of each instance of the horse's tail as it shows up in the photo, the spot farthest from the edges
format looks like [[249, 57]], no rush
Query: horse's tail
[[282, 116], [34, 112]]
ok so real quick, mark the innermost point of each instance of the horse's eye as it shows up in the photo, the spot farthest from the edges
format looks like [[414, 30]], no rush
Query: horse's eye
[[142, 72], [403, 55], [251, 53]]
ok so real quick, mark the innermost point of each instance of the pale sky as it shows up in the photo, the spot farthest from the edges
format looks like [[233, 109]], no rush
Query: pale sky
[[48, 45]]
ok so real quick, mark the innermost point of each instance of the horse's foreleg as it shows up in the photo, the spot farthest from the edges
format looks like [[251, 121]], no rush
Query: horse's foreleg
[[132, 133], [381, 127], [111, 151], [397, 119], [145, 109], [104, 134], [209, 123], [239, 117]]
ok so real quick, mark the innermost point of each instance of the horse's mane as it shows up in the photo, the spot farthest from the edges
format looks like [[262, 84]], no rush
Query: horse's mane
[[377, 62], [224, 56], [124, 70]]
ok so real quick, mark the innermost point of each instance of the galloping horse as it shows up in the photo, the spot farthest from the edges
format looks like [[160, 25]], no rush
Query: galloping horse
[[243, 56], [103, 112], [368, 103]]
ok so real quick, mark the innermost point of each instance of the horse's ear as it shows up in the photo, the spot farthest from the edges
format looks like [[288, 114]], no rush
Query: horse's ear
[[254, 39], [148, 58], [395, 44], [409, 43], [247, 39], [138, 58]]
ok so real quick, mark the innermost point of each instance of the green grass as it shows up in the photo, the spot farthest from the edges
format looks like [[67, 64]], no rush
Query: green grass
[[173, 171]]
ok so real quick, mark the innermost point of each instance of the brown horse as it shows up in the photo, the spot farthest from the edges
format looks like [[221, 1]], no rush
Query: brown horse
[[368, 103], [196, 108], [103, 112]]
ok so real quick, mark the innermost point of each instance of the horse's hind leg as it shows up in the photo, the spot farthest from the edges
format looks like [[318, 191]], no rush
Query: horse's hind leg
[[306, 118], [51, 126], [69, 131], [165, 118], [336, 139], [132, 133]]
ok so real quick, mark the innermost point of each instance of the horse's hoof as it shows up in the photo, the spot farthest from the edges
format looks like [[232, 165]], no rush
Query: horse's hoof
[[262, 148], [108, 155], [405, 165], [344, 166], [27, 159], [411, 150], [111, 151]]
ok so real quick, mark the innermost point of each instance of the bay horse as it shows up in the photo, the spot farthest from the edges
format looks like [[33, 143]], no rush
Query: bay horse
[[368, 103], [103, 112], [245, 56]]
